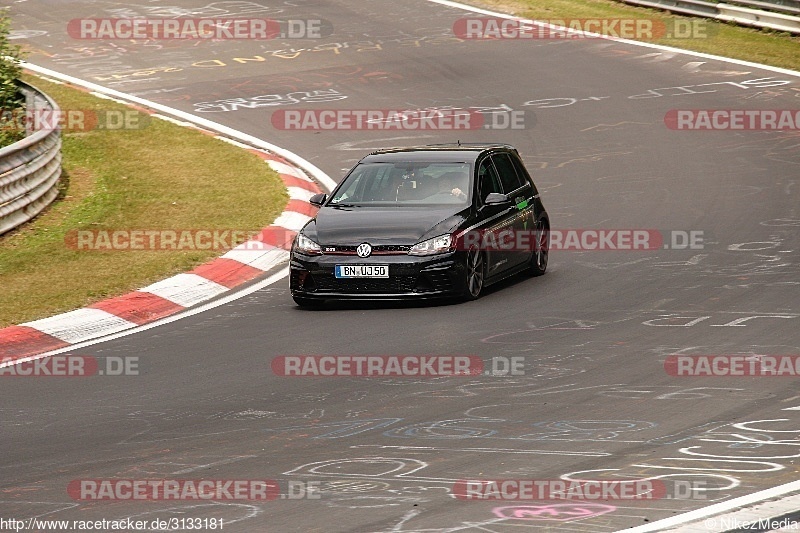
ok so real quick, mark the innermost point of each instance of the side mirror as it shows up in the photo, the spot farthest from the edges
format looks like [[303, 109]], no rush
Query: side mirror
[[496, 198], [318, 199]]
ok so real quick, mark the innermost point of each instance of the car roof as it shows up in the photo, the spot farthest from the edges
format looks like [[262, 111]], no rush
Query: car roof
[[452, 152]]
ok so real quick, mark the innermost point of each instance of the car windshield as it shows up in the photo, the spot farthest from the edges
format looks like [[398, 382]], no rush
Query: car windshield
[[389, 184]]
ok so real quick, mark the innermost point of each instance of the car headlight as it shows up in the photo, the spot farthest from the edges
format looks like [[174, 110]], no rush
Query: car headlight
[[436, 245], [304, 245]]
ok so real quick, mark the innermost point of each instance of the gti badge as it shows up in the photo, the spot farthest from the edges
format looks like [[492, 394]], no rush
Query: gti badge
[[364, 250]]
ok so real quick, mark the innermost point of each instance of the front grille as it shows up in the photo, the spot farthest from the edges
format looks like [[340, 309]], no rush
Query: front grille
[[393, 285], [376, 250]]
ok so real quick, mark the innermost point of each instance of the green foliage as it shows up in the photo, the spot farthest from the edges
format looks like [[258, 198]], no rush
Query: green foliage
[[12, 102]]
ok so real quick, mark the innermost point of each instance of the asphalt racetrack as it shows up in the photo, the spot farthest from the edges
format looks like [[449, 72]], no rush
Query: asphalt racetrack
[[594, 401]]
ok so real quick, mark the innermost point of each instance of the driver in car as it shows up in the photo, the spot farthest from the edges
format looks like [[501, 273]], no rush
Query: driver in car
[[453, 183]]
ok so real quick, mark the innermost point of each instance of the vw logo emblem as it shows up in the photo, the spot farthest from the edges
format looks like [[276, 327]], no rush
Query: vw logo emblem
[[364, 250]]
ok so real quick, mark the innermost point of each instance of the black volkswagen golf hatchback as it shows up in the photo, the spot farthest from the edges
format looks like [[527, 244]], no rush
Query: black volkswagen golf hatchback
[[423, 222]]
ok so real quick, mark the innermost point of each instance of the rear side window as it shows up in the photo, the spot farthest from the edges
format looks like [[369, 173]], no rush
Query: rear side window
[[488, 181], [523, 173], [508, 174]]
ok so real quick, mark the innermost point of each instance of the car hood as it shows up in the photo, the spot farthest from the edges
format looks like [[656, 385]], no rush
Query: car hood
[[350, 226]]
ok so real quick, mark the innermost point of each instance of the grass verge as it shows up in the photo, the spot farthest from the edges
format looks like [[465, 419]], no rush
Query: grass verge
[[162, 176], [779, 49]]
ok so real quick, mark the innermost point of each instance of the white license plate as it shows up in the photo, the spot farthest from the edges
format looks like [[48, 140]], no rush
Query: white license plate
[[362, 271]]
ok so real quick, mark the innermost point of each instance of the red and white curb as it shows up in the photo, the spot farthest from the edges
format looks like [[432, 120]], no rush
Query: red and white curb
[[167, 297]]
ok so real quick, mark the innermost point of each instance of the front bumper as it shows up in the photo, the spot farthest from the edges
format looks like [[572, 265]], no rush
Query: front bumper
[[409, 277]]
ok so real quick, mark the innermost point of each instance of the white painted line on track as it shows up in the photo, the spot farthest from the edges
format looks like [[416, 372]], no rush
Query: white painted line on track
[[216, 127], [282, 168], [464, 7], [166, 320], [701, 515], [263, 259], [737, 503], [328, 183]]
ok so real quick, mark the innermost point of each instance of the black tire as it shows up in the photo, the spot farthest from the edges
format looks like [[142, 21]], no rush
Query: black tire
[[308, 303], [475, 274], [541, 254]]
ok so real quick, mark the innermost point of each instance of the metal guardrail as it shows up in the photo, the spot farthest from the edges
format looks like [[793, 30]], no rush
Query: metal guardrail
[[30, 168], [781, 15], [789, 7]]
